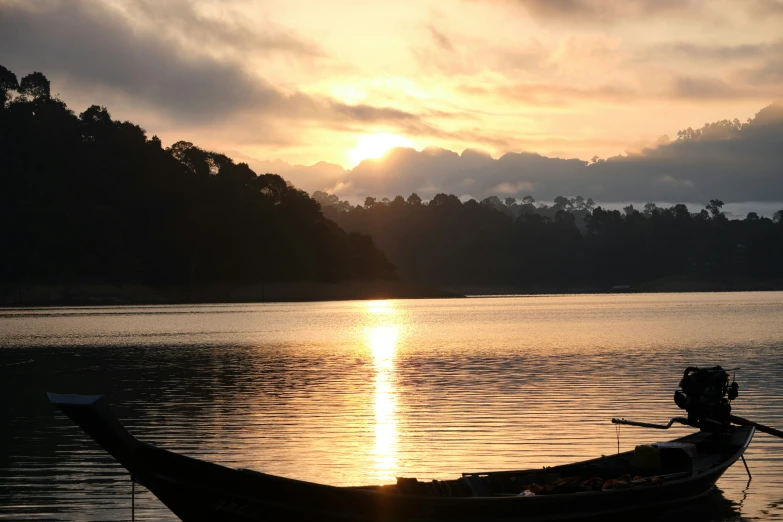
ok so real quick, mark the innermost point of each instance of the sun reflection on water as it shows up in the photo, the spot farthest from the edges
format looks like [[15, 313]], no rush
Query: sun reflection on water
[[382, 340]]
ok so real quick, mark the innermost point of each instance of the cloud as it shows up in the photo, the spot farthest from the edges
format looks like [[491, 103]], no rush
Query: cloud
[[672, 181], [701, 87], [735, 167], [760, 82], [461, 54], [181, 19], [367, 113], [539, 94], [602, 10], [713, 52], [510, 189], [440, 39], [768, 7], [770, 72], [96, 48]]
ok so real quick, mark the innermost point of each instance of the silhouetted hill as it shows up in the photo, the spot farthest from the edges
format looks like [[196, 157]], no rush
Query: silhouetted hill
[[87, 198]]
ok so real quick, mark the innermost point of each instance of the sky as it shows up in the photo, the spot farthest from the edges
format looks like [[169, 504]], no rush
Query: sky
[[289, 84]]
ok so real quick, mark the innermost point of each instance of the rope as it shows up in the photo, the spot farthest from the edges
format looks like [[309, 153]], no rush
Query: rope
[[133, 499]]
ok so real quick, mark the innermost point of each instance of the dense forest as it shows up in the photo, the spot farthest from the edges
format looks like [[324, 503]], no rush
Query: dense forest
[[88, 198], [569, 245]]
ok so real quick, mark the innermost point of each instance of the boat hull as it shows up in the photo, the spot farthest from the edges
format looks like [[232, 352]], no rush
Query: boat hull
[[197, 490], [253, 496]]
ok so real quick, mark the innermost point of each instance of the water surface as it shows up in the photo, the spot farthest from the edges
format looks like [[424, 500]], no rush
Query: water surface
[[362, 392]]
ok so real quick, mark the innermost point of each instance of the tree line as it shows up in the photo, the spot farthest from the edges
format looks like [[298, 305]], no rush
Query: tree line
[[89, 198], [571, 244]]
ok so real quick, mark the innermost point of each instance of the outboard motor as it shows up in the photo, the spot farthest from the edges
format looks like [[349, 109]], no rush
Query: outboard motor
[[705, 393]]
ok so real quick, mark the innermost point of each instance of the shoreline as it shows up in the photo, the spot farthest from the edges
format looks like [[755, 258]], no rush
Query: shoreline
[[669, 285], [105, 294]]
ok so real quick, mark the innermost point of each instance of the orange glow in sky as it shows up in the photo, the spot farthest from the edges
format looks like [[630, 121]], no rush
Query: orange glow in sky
[[376, 145], [336, 83]]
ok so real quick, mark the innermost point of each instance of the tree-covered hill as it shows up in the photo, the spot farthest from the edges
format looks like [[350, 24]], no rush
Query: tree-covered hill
[[88, 198], [570, 245]]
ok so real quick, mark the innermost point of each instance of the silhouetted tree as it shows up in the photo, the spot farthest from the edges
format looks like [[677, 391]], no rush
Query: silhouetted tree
[[715, 207], [562, 203], [8, 83], [446, 201], [35, 86]]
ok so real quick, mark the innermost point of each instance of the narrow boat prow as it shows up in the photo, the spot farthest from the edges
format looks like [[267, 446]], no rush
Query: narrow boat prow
[[647, 479], [93, 414]]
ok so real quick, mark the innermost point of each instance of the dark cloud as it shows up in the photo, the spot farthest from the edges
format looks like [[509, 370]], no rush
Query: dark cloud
[[768, 7], [702, 87], [733, 166], [770, 72], [760, 82], [602, 10], [717, 53], [756, 69], [95, 47], [180, 17], [88, 44], [440, 39], [368, 113]]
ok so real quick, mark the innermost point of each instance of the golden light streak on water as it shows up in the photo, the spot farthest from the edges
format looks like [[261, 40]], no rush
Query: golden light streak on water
[[382, 342]]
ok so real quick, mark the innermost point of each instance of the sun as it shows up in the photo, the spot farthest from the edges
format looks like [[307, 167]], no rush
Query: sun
[[376, 145]]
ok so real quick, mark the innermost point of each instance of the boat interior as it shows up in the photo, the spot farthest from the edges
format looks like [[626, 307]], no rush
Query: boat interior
[[645, 466]]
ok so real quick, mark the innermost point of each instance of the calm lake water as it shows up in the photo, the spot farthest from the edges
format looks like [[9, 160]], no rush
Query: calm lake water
[[361, 392]]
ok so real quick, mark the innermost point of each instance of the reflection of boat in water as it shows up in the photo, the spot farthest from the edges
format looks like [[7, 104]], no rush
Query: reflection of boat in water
[[649, 479], [711, 507]]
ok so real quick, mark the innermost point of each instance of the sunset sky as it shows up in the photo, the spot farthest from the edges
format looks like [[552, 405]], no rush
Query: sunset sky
[[306, 81]]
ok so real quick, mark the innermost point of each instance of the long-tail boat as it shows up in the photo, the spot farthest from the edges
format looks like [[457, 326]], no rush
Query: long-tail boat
[[648, 479]]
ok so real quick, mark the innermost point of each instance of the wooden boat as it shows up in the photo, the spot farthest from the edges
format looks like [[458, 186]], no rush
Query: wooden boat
[[645, 480]]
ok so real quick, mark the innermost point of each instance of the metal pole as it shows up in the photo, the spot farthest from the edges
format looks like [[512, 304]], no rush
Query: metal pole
[[750, 477], [760, 427], [681, 420]]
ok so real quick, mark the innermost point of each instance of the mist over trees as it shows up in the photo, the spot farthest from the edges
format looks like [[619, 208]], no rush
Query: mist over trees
[[88, 198], [739, 161], [569, 245]]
